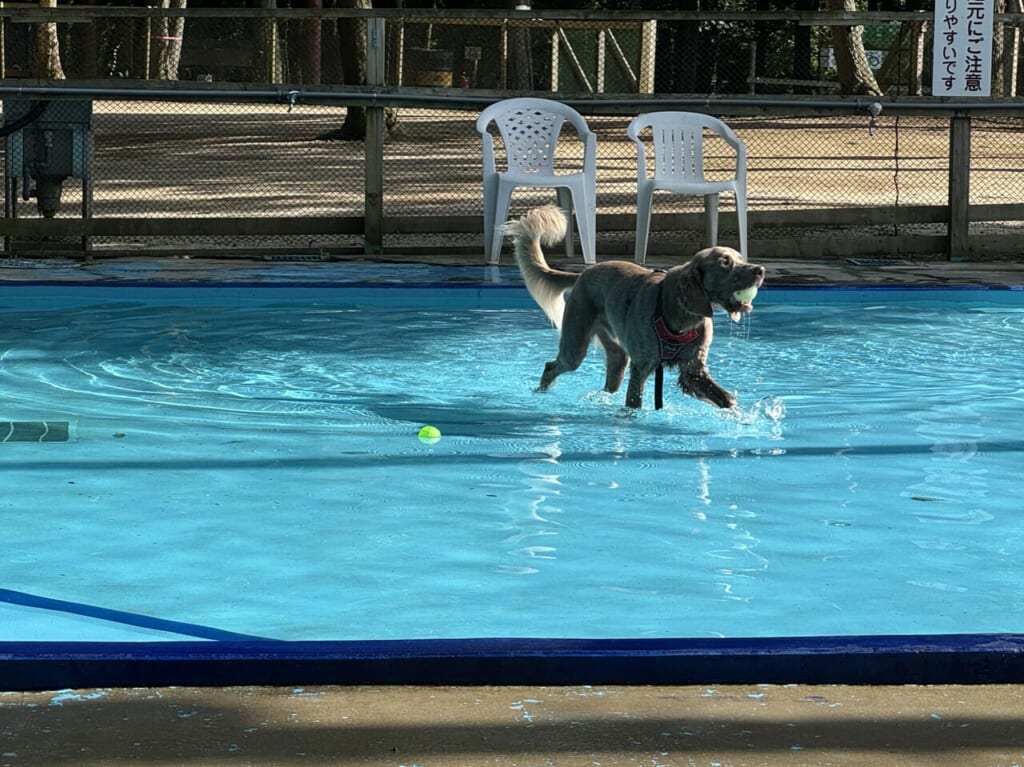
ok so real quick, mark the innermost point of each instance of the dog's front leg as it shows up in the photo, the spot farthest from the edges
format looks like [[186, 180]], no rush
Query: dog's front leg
[[698, 383], [637, 381]]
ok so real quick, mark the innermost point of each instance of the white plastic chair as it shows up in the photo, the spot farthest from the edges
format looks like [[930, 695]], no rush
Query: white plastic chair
[[677, 139], [529, 129]]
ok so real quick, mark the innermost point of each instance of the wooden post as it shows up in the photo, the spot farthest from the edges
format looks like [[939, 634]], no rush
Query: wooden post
[[373, 196], [959, 186], [1011, 52], [648, 37], [271, 44], [147, 48], [3, 45]]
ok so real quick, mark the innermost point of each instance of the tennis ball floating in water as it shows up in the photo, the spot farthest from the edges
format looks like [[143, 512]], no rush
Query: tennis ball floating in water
[[746, 295], [429, 434]]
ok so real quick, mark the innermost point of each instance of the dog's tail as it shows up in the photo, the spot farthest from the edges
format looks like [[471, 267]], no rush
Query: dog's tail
[[542, 226]]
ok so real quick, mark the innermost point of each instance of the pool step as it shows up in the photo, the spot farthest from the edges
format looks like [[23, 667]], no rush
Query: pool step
[[35, 431]]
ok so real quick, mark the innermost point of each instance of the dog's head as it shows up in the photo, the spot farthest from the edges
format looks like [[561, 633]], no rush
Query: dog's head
[[714, 277]]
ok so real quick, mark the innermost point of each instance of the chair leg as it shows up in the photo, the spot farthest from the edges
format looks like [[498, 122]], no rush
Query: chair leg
[[644, 201], [586, 225], [566, 203], [741, 220], [490, 214], [711, 219], [503, 197]]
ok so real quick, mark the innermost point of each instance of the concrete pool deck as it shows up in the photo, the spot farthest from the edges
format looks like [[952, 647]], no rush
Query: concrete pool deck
[[712, 726], [722, 726]]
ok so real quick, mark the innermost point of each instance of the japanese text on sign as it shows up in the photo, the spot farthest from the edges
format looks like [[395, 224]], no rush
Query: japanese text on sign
[[962, 61]]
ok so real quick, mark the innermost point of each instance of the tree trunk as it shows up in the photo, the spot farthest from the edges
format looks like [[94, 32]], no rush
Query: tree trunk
[[803, 54], [86, 44], [169, 36], [903, 67], [687, 57], [855, 76], [352, 44], [520, 70], [48, 47], [311, 39]]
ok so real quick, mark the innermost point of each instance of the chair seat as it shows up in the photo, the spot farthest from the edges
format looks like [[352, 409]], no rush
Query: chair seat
[[529, 178], [692, 188]]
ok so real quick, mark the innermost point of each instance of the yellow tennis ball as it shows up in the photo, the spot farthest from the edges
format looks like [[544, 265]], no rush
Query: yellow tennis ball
[[747, 295], [429, 434]]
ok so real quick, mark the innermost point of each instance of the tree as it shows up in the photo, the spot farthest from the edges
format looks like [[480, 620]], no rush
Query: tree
[[169, 36], [855, 75], [48, 47]]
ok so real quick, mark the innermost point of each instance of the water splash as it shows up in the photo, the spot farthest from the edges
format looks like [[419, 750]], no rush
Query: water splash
[[766, 416]]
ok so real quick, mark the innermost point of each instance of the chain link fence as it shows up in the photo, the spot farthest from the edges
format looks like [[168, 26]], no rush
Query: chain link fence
[[736, 51], [244, 149]]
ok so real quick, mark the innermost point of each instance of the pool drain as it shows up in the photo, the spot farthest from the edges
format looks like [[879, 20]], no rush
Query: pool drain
[[880, 262]]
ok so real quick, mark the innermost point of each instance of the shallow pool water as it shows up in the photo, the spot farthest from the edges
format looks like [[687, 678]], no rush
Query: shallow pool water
[[225, 462]]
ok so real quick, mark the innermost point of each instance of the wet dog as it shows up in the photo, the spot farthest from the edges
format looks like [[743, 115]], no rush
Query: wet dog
[[643, 318]]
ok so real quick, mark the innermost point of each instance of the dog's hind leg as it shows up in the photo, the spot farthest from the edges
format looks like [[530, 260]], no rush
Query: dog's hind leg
[[572, 348], [566, 362], [615, 362]]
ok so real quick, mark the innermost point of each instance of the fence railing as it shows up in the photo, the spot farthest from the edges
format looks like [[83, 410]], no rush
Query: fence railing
[[250, 158]]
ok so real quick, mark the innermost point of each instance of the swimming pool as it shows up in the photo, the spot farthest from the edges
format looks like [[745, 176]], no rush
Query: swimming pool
[[241, 464]]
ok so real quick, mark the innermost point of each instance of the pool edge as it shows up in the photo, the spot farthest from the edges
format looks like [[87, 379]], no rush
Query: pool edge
[[851, 660]]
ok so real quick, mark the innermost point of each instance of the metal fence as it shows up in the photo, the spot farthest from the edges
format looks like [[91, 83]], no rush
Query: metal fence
[[241, 153]]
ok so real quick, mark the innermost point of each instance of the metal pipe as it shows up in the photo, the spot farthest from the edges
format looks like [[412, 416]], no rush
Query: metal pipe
[[297, 96]]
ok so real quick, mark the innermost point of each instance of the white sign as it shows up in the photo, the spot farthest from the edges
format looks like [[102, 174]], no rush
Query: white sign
[[962, 59]]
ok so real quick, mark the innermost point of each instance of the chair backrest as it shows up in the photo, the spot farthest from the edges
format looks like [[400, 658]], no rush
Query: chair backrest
[[677, 140], [529, 129]]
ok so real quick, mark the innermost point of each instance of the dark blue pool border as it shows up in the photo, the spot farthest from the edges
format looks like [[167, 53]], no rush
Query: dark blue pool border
[[854, 660], [421, 296], [859, 660], [498, 286]]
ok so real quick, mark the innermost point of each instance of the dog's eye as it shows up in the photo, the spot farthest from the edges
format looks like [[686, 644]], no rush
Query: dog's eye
[[725, 262]]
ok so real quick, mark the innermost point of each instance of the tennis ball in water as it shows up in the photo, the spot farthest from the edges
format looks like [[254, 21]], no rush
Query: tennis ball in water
[[430, 434], [747, 295]]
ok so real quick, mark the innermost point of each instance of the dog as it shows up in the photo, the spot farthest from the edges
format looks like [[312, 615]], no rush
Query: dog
[[644, 318]]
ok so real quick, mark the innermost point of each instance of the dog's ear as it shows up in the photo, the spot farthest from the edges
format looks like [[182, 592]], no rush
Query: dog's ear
[[690, 289]]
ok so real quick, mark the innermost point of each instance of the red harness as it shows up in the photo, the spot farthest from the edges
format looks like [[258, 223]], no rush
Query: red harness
[[671, 346]]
